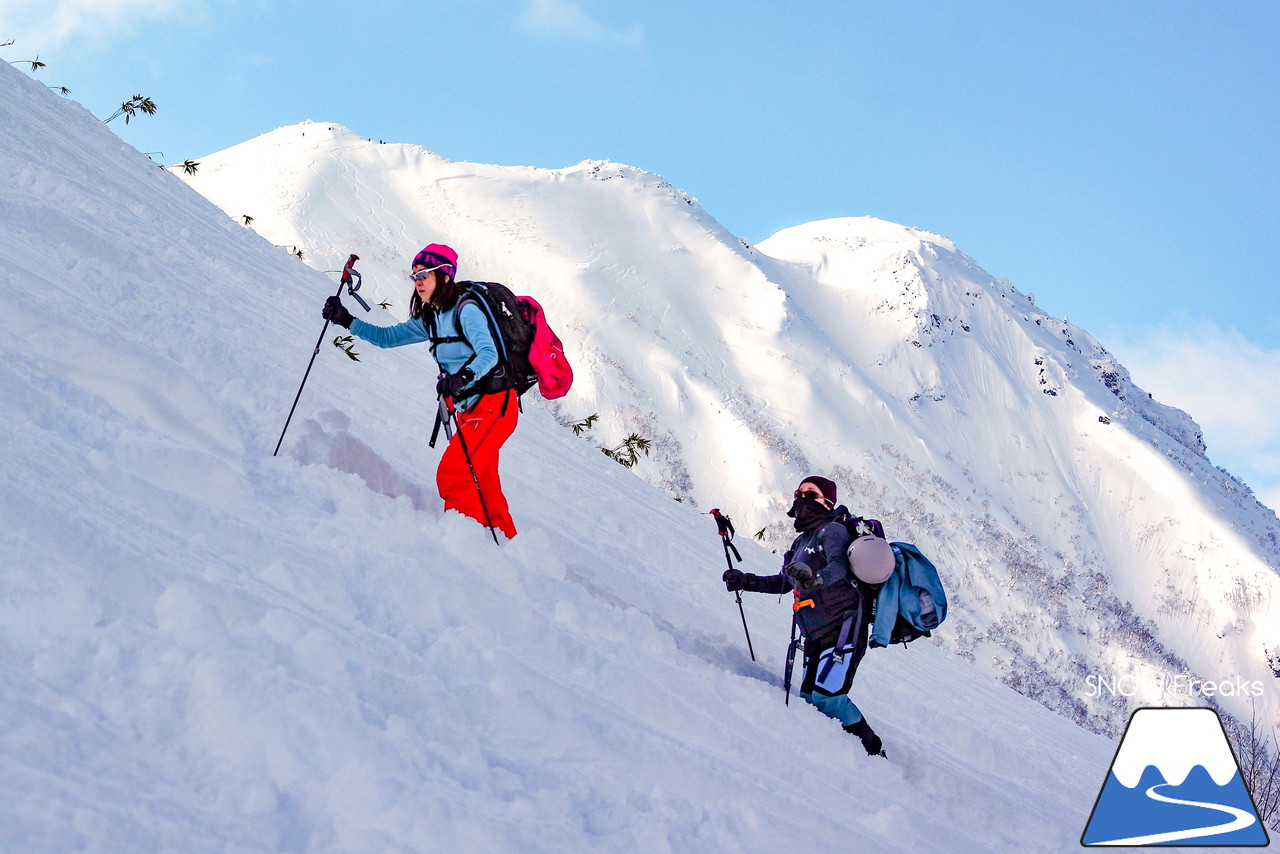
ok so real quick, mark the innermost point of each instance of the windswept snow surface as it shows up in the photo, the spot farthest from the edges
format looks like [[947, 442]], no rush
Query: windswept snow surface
[[1083, 534], [208, 649]]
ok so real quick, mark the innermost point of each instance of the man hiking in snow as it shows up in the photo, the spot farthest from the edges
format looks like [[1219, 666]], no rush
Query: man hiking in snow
[[832, 608], [466, 352]]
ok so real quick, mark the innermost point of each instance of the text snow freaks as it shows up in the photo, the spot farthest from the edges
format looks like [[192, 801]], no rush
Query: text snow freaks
[[1165, 684]]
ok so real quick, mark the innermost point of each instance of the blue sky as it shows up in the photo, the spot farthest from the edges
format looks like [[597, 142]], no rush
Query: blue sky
[[1118, 160]]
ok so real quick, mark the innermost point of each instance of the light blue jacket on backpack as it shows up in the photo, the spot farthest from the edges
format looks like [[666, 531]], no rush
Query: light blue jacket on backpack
[[913, 592]]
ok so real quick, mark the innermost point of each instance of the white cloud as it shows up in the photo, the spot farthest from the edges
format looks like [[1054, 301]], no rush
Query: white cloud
[[1230, 385], [39, 25], [566, 18]]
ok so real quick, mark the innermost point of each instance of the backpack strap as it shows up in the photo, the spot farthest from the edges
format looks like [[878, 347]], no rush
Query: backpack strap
[[837, 655], [429, 319], [472, 296]]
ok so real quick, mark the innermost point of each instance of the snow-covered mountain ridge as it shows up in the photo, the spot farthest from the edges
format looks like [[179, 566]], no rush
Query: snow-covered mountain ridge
[[1081, 527]]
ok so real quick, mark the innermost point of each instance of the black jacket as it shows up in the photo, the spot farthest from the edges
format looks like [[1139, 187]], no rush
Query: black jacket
[[820, 611]]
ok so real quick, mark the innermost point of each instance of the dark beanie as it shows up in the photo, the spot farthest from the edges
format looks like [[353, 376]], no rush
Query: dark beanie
[[826, 487]]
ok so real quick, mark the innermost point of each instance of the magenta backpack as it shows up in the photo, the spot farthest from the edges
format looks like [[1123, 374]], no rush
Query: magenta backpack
[[546, 354]]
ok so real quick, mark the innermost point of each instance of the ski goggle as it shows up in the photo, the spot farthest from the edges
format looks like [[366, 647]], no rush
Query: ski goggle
[[810, 493], [422, 274]]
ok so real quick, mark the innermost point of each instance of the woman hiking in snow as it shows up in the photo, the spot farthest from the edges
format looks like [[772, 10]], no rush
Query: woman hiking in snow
[[832, 608], [465, 351]]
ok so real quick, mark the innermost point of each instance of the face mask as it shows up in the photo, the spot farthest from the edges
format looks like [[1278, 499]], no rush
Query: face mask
[[806, 511]]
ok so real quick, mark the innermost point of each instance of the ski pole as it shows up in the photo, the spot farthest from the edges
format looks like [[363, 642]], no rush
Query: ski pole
[[488, 520], [346, 280], [725, 527]]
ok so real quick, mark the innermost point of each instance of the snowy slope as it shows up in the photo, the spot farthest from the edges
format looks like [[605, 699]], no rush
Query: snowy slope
[[208, 649], [1083, 531]]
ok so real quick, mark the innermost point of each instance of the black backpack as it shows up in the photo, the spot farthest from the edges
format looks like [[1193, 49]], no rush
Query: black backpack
[[859, 527], [512, 329]]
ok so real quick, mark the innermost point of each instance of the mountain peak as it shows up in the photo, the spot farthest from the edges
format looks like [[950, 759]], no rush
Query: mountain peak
[[854, 233], [307, 134]]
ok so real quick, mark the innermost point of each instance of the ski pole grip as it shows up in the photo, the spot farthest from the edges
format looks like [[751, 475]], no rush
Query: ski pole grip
[[352, 279], [349, 268]]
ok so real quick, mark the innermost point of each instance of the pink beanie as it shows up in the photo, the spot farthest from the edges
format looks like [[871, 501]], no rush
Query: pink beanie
[[438, 255]]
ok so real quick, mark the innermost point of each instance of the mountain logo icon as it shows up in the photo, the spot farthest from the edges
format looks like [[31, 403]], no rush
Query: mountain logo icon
[[1174, 781]]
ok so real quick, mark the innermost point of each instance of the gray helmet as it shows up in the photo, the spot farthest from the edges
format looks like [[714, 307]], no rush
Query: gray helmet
[[871, 559]]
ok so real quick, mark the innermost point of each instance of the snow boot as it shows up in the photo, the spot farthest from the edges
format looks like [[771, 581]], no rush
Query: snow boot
[[870, 741]]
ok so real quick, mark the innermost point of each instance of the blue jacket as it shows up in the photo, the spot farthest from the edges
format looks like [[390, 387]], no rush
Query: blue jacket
[[914, 592], [480, 354]]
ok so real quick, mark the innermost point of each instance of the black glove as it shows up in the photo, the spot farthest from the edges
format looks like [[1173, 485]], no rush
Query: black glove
[[335, 312], [802, 575], [736, 579], [450, 384]]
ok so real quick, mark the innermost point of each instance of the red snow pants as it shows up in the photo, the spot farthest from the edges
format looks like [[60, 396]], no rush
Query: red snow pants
[[484, 428]]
